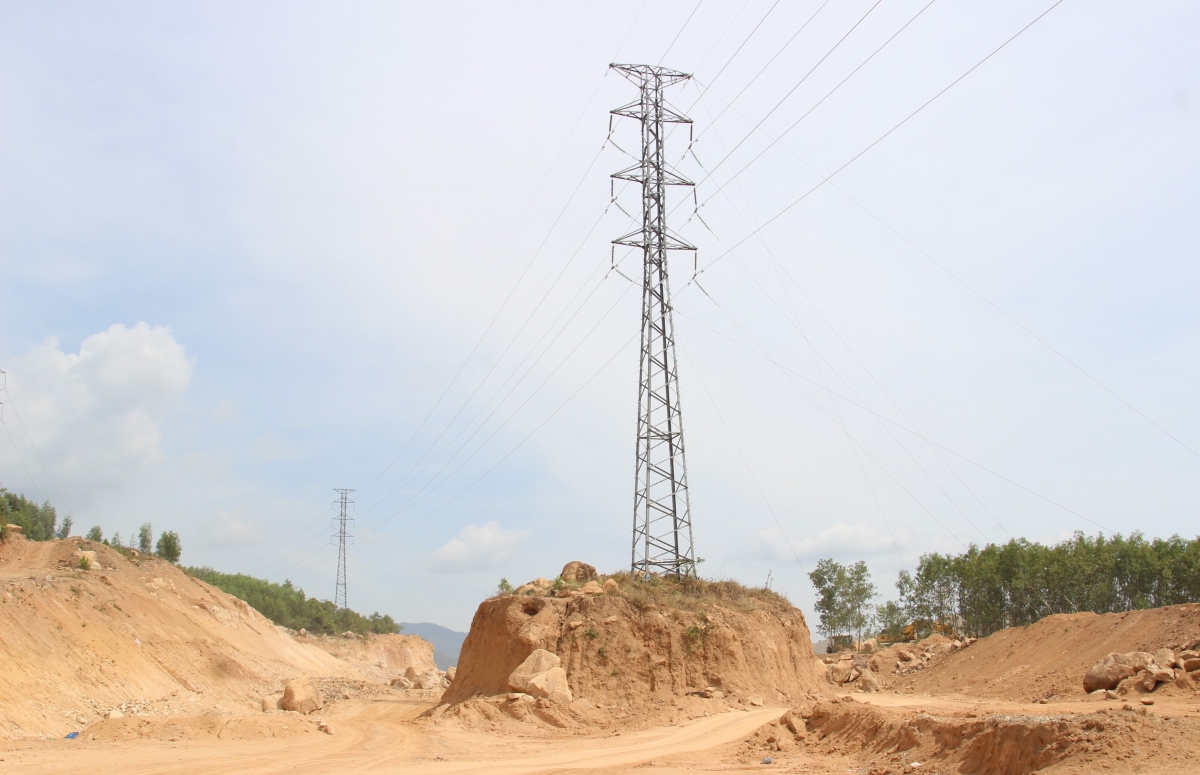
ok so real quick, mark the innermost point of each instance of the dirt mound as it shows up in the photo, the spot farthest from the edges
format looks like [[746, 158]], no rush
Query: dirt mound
[[1049, 658], [630, 661], [884, 741], [381, 656], [134, 634]]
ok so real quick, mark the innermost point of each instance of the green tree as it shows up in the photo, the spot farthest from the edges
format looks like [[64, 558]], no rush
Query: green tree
[[116, 538], [36, 522], [169, 547], [145, 538], [891, 619], [289, 607], [858, 593], [95, 534], [64, 530], [829, 579], [844, 596]]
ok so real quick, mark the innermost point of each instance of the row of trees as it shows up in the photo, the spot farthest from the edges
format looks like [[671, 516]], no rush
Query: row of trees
[[1007, 585], [37, 522], [169, 547], [288, 606], [40, 523]]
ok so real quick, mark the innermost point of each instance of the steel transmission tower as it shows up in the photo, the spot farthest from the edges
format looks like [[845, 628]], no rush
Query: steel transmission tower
[[662, 515], [339, 595]]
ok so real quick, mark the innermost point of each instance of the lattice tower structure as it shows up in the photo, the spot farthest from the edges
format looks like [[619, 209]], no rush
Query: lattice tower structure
[[339, 595], [662, 515]]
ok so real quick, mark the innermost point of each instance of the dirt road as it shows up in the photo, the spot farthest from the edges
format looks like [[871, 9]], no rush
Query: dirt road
[[376, 737]]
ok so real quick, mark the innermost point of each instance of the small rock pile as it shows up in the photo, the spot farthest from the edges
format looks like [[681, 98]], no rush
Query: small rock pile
[[430, 680], [852, 671], [863, 671], [1143, 672], [577, 579]]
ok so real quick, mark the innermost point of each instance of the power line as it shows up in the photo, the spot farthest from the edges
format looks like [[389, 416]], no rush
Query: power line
[[882, 137], [519, 444], [681, 29], [797, 375], [799, 83], [775, 139], [763, 69], [742, 455]]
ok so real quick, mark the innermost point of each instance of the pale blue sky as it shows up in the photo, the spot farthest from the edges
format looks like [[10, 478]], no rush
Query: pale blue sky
[[244, 251]]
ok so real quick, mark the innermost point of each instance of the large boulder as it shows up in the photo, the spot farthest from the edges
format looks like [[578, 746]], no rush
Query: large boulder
[[1114, 668], [842, 671], [579, 572], [430, 679], [301, 696], [538, 662], [551, 684], [1164, 658]]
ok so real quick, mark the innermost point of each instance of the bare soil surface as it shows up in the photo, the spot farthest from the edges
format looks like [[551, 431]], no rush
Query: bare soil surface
[[138, 636], [1048, 659], [656, 688]]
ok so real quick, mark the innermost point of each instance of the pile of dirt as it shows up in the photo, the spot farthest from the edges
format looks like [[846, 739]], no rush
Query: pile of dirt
[[631, 662], [1048, 659], [889, 742], [136, 635]]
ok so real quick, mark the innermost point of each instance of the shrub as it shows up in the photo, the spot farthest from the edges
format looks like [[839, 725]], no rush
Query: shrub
[[84, 563], [169, 547], [691, 593], [95, 534], [145, 538], [504, 588]]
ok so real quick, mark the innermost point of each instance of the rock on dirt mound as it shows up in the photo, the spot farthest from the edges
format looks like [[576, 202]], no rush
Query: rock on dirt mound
[[617, 654], [1051, 657]]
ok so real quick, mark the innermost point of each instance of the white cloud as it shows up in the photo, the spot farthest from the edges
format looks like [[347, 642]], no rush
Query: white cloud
[[96, 416], [478, 547]]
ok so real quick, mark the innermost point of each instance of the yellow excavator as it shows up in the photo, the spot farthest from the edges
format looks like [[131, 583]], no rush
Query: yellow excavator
[[909, 633]]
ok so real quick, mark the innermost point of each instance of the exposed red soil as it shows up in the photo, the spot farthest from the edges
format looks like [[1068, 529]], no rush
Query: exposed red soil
[[1048, 659], [633, 663]]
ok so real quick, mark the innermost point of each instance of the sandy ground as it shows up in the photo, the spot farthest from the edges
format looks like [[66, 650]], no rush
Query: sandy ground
[[385, 736], [379, 737]]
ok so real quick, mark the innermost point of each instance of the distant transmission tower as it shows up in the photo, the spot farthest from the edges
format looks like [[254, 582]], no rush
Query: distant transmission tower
[[339, 595], [662, 515]]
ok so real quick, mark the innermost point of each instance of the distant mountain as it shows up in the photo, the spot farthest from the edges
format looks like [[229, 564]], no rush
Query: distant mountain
[[446, 642]]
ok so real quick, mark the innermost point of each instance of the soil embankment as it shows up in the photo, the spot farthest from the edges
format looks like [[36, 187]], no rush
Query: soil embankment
[[1048, 659], [629, 662], [890, 741], [136, 635]]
